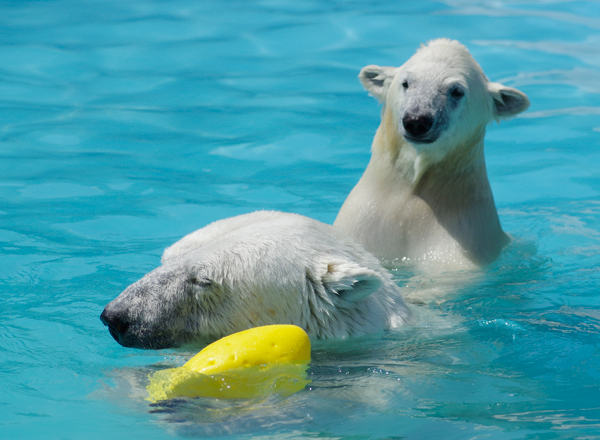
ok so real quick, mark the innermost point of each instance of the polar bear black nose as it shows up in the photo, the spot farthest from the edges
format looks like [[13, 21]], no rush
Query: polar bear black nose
[[117, 325], [417, 126]]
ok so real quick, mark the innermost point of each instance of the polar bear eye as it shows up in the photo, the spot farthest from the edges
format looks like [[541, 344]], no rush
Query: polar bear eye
[[202, 282], [405, 84], [457, 92]]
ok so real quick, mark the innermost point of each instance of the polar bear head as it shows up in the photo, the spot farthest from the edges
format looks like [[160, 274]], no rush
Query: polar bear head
[[257, 269], [440, 99]]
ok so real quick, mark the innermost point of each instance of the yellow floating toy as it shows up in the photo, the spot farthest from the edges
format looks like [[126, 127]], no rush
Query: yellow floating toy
[[248, 364]]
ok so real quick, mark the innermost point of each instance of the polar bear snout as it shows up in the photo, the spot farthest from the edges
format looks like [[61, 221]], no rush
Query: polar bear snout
[[139, 332], [418, 128], [116, 322], [150, 312]]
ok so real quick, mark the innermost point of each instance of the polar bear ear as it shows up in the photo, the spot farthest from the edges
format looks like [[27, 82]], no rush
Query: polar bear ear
[[350, 281], [507, 101], [376, 80]]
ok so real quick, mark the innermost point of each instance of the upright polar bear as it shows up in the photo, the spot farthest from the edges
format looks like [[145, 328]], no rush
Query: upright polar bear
[[425, 195], [257, 269]]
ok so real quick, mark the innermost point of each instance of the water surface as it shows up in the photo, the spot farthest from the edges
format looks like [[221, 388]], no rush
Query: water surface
[[125, 125]]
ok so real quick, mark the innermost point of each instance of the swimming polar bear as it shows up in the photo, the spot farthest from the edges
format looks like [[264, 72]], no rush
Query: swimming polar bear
[[252, 270], [425, 195]]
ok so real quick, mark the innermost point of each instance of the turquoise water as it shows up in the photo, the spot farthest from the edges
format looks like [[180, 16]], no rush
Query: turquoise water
[[125, 125]]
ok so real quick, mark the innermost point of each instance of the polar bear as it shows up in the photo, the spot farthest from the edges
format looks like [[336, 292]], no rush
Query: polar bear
[[257, 269], [425, 195]]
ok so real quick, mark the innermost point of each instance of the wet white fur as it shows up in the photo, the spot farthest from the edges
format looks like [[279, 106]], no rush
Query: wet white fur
[[431, 202], [258, 269]]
